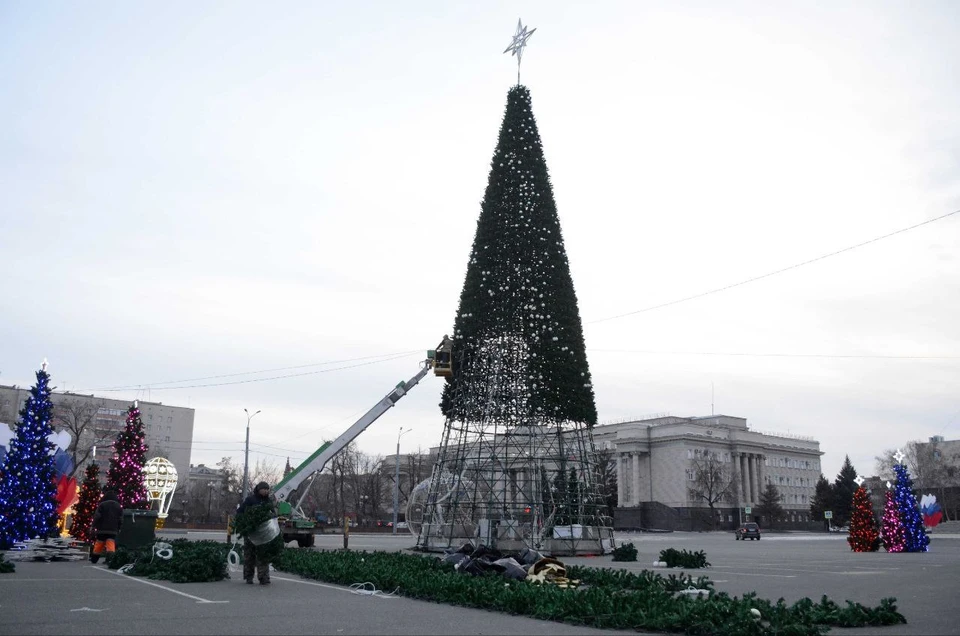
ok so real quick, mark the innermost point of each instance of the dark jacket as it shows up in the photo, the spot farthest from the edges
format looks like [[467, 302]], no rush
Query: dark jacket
[[253, 499], [109, 516]]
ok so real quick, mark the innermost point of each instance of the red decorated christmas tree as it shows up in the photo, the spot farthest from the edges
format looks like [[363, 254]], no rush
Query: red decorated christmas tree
[[864, 535], [891, 531], [87, 504], [125, 476]]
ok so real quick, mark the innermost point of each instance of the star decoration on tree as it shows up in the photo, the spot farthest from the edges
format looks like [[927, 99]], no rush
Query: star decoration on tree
[[519, 41], [859, 481], [899, 456]]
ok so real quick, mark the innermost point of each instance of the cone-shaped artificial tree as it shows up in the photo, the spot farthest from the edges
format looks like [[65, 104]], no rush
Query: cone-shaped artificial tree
[[519, 403], [518, 300], [28, 504], [891, 528], [915, 537], [87, 504], [125, 475], [864, 535]]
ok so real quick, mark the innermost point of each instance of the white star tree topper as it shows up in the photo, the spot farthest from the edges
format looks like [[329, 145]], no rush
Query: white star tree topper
[[899, 456], [859, 481], [519, 42]]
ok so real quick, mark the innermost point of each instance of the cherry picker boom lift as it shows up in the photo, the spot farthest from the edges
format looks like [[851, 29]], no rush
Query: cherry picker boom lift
[[293, 523]]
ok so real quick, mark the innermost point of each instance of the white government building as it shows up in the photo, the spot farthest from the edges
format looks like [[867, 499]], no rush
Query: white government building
[[655, 460]]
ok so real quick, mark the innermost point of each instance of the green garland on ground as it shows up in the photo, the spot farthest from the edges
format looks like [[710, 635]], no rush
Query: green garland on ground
[[606, 599], [192, 562], [684, 559], [5, 566], [625, 552], [251, 519]]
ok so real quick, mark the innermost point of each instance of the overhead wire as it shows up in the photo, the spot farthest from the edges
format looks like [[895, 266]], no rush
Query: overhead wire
[[277, 377], [773, 273], [152, 385], [776, 355]]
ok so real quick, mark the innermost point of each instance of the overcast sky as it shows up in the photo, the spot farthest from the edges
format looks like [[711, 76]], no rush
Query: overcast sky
[[197, 189]]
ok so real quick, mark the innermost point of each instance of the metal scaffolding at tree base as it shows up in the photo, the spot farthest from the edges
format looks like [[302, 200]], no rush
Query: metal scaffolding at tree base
[[505, 479]]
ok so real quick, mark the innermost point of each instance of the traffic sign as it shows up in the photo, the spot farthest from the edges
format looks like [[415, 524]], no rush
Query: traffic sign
[[828, 514], [747, 510]]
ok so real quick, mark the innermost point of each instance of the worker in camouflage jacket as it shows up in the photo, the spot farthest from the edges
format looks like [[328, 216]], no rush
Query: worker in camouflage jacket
[[259, 496]]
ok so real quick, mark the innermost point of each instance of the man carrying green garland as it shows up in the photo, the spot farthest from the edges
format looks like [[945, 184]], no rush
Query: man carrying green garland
[[251, 557]]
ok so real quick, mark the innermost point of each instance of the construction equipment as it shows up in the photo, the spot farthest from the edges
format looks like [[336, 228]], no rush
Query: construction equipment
[[299, 527]]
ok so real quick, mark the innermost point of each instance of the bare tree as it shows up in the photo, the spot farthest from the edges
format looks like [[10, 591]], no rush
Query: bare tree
[[230, 478], [369, 484], [339, 494], [79, 419], [418, 468], [712, 482], [8, 412], [606, 478], [266, 470]]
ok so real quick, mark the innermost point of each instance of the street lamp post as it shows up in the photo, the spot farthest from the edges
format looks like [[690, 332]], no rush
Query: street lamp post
[[246, 455], [396, 481], [209, 498]]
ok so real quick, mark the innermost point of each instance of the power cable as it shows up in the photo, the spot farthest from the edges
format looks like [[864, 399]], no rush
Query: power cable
[[151, 385], [276, 377], [775, 355], [779, 271]]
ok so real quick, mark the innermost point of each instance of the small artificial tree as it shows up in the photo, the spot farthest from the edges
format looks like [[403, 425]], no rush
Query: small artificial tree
[[125, 475], [891, 530], [864, 535], [28, 494], [915, 537], [87, 504]]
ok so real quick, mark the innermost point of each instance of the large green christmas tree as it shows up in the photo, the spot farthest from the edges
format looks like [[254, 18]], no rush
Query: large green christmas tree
[[518, 303]]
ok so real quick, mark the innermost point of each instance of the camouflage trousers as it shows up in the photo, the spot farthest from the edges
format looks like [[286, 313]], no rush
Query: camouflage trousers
[[251, 561]]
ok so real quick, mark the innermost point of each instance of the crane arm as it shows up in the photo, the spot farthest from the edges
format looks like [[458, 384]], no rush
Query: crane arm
[[325, 453]]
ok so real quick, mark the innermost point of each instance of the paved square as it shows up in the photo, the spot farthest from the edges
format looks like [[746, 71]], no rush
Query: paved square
[[77, 598]]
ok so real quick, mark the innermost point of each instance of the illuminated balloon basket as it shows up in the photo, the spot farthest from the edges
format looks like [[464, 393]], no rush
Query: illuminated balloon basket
[[160, 477]]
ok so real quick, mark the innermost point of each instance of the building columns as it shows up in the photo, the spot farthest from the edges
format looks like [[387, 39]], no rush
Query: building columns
[[742, 470], [621, 483], [636, 479]]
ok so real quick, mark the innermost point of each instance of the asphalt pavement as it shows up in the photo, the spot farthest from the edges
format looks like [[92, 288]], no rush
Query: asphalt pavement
[[77, 598]]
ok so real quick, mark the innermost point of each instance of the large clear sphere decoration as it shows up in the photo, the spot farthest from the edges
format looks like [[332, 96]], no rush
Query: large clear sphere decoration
[[452, 490], [160, 478]]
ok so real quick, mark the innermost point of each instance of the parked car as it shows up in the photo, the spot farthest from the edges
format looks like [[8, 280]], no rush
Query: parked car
[[748, 531]]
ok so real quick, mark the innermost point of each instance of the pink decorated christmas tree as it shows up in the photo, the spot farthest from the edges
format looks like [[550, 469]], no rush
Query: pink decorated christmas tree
[[891, 527]]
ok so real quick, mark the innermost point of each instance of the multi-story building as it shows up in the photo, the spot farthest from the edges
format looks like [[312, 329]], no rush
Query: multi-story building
[[168, 429], [656, 460]]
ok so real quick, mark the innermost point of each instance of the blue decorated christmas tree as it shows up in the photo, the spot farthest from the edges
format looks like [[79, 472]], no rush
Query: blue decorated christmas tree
[[914, 534], [27, 491]]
